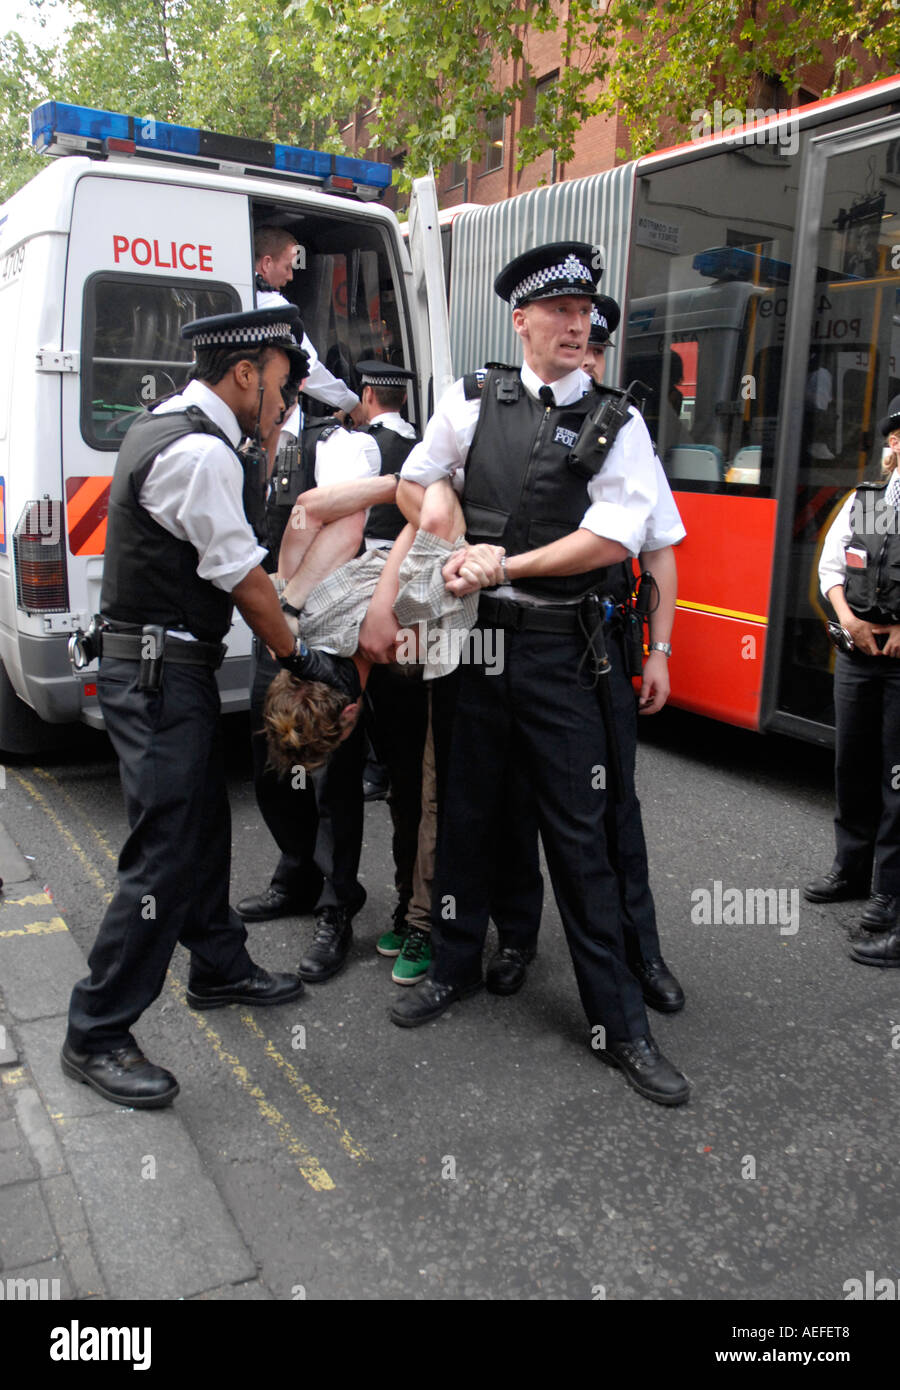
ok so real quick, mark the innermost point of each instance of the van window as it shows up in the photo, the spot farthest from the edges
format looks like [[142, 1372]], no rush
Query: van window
[[131, 351]]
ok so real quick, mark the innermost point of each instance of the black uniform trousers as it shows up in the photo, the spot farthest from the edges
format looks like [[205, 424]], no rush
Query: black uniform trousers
[[173, 873], [399, 707], [867, 770], [516, 901], [287, 804], [534, 716], [317, 823]]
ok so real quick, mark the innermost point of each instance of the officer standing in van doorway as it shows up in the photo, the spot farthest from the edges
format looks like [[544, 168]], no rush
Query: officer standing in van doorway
[[565, 535], [274, 250], [180, 555], [859, 574]]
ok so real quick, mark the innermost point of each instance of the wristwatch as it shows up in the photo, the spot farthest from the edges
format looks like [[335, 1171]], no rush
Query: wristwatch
[[506, 579], [665, 647]]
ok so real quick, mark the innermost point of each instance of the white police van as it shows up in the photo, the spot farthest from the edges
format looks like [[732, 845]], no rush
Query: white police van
[[104, 255]]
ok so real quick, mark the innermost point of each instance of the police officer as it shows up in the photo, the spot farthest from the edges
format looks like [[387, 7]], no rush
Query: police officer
[[518, 928], [322, 455], [564, 538], [397, 695], [180, 554], [274, 250], [859, 574]]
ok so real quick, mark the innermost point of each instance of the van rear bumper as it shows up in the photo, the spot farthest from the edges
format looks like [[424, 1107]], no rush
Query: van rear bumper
[[58, 697]]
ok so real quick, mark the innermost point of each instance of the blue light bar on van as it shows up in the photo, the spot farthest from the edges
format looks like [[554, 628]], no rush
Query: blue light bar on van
[[58, 128], [736, 263]]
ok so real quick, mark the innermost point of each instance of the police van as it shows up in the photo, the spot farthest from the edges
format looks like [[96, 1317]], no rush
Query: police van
[[136, 228]]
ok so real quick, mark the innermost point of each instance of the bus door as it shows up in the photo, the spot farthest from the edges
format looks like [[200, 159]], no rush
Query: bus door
[[841, 370]]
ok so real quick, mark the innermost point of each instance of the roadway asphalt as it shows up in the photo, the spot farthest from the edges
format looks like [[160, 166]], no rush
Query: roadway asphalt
[[318, 1152]]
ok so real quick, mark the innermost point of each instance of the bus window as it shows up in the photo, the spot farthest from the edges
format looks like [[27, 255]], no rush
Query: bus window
[[851, 375]]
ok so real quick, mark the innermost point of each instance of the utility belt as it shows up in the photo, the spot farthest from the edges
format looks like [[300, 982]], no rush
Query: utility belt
[[595, 614], [150, 645]]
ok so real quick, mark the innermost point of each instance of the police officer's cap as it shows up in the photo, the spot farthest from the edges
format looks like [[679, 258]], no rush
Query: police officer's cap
[[279, 326], [891, 421], [560, 267], [605, 316], [373, 372]]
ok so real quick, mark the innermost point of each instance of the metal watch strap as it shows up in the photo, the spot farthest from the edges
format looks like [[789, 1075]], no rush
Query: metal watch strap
[[665, 647]]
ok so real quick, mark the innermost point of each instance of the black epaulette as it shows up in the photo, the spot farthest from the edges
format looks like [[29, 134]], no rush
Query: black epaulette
[[473, 384], [327, 432], [873, 487]]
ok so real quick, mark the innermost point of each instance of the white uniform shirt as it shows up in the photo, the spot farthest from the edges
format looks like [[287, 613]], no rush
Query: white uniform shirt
[[320, 384], [345, 455], [194, 489], [832, 565], [628, 501]]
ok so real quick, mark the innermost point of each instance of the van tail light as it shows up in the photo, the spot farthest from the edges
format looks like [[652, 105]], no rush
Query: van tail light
[[40, 558]]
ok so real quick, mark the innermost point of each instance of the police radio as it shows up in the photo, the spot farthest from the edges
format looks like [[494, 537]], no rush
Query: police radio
[[599, 431]]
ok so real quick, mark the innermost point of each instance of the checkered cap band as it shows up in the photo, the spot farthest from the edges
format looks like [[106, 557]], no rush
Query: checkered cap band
[[892, 491], [598, 320], [244, 337], [571, 275], [381, 380]]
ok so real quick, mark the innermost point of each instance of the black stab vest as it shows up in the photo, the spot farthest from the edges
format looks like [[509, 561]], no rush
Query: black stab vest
[[386, 521], [874, 592], [519, 491], [149, 576]]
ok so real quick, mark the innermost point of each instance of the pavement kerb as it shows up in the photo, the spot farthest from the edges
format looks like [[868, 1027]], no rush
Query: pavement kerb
[[105, 1201]]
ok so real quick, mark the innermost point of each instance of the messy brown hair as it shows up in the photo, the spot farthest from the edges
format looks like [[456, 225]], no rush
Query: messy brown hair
[[303, 722]]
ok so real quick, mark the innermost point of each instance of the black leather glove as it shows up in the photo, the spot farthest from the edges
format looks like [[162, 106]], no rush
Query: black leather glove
[[308, 664]]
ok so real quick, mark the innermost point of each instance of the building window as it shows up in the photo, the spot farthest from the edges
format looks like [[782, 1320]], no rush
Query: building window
[[456, 174], [543, 95], [493, 157]]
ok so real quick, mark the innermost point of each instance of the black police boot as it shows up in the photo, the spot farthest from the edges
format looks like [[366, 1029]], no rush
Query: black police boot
[[259, 987], [274, 902], [330, 945], [429, 1001], [660, 988], [880, 913], [833, 888], [508, 968], [883, 950], [122, 1075], [647, 1070]]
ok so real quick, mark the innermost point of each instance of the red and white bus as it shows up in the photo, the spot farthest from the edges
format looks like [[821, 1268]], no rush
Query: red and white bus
[[760, 272]]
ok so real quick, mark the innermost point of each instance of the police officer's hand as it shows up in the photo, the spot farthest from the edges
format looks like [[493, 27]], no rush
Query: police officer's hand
[[378, 635], [655, 685], [476, 567], [892, 645], [862, 634]]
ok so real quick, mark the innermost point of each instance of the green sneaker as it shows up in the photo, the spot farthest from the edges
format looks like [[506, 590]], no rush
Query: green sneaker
[[414, 959], [391, 943]]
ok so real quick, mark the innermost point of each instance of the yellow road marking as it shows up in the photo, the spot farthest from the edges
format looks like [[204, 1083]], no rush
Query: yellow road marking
[[307, 1163], [723, 612], [29, 900], [66, 833], [313, 1171], [37, 928], [316, 1104], [14, 1077]]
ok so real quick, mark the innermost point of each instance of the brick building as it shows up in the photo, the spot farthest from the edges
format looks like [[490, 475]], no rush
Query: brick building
[[494, 175]]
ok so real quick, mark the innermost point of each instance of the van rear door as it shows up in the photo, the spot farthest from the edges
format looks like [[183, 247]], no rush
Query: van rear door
[[144, 258], [428, 279]]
